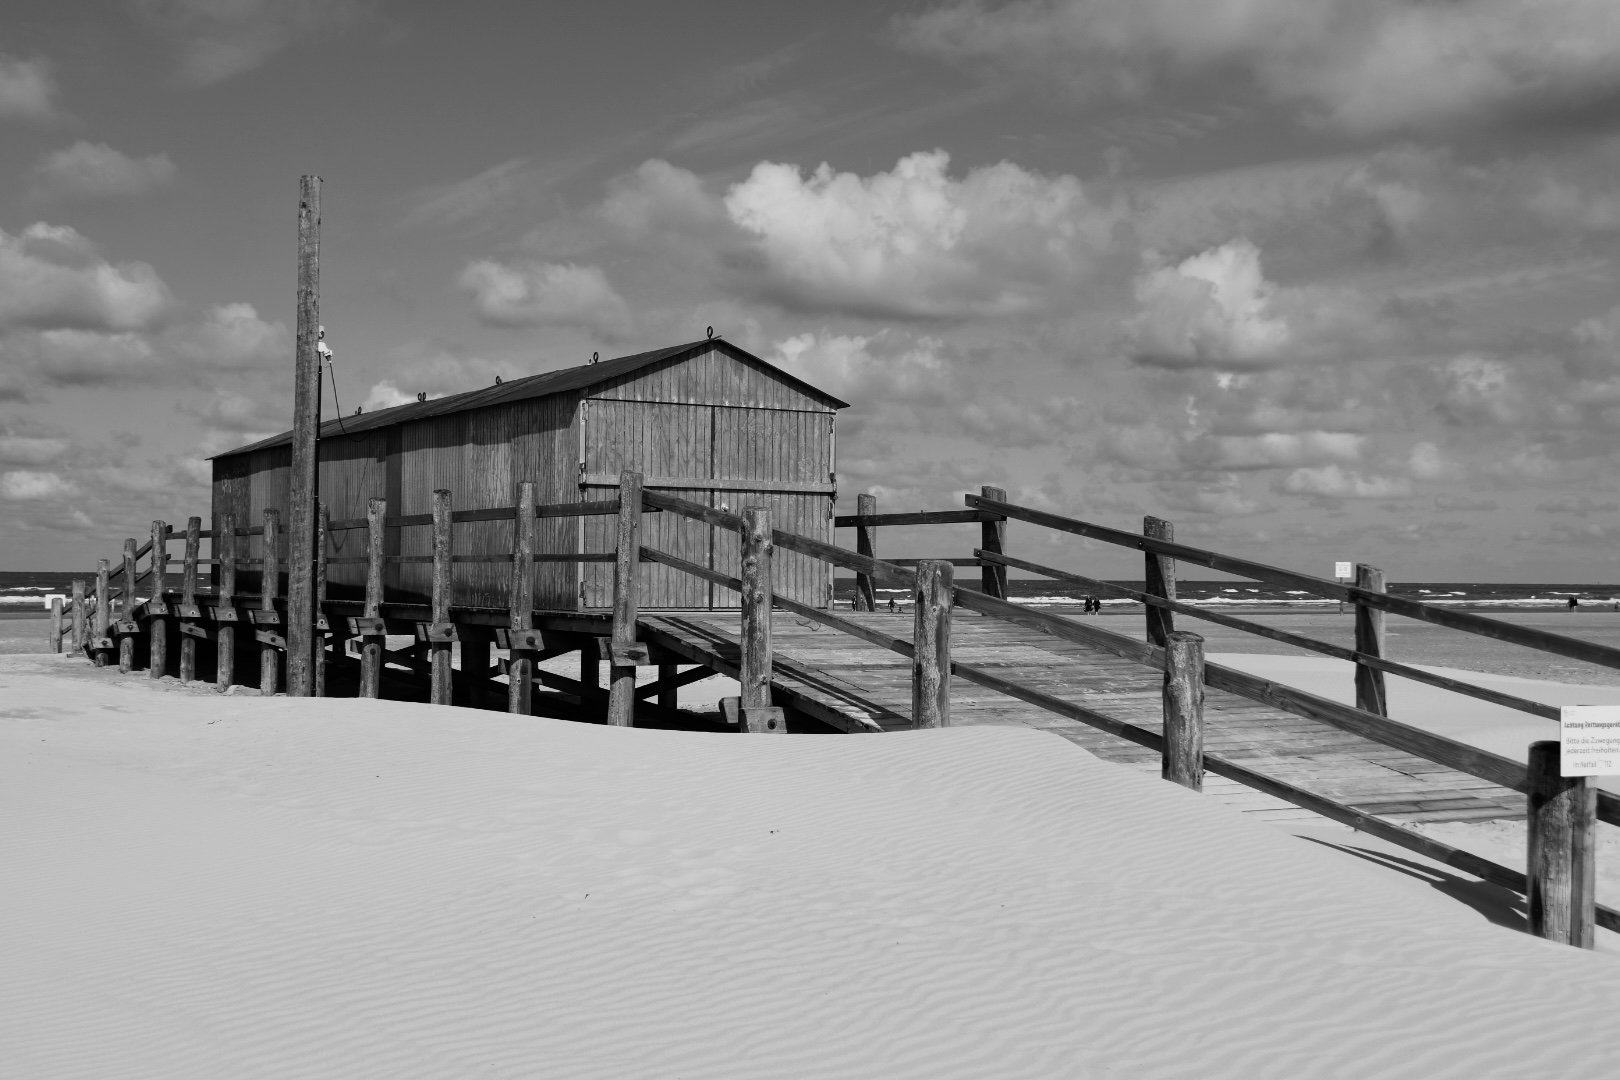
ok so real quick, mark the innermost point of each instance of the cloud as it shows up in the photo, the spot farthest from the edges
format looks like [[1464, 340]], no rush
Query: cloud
[[16, 449], [241, 415], [51, 276], [229, 336], [532, 293], [89, 170], [219, 39], [1464, 502], [661, 198], [1358, 65], [466, 200], [1580, 505], [436, 376], [1330, 481], [1278, 449], [24, 485], [890, 367], [914, 242], [26, 88]]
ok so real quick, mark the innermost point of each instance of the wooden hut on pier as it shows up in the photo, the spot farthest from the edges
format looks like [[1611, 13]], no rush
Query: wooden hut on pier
[[707, 421]]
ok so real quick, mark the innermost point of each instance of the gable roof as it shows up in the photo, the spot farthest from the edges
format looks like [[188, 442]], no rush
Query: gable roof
[[545, 384]]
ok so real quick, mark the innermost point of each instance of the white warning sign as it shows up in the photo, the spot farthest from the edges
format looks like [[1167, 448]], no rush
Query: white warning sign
[[1343, 570], [1590, 735]]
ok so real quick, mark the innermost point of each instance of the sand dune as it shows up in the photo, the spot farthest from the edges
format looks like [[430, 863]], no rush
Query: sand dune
[[206, 887]]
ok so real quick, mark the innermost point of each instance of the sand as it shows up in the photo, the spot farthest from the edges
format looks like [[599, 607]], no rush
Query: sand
[[201, 886]]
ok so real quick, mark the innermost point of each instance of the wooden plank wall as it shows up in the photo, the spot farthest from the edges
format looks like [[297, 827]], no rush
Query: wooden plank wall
[[712, 378], [354, 469]]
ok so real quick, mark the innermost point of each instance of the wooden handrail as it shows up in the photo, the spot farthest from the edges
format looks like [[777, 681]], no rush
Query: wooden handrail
[[919, 517], [1574, 648], [597, 508], [1510, 701]]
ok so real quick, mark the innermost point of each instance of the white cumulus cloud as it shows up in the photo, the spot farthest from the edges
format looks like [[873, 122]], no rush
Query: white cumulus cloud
[[532, 293], [50, 276], [1331, 481], [26, 485], [26, 88], [90, 170]]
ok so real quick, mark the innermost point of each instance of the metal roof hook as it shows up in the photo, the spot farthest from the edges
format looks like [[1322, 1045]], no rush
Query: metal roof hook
[[711, 332]]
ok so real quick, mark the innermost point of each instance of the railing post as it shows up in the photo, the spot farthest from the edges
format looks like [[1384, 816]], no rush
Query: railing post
[[157, 626], [126, 611], [622, 645], [318, 617], [669, 697], [1183, 753], [225, 605], [755, 668], [103, 612], [1159, 574], [56, 624], [1560, 862], [78, 615], [865, 544], [269, 585], [371, 645], [931, 658], [520, 609], [1370, 640], [439, 640], [188, 598], [993, 537]]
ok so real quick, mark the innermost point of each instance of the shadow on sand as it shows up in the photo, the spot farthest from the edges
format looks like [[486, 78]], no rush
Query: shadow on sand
[[1504, 907]]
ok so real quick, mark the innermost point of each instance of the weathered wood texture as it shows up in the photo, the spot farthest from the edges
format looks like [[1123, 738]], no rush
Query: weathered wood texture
[[626, 597], [78, 615], [865, 544], [269, 582], [931, 639], [1182, 759], [373, 645], [755, 576], [1562, 838], [126, 610], [520, 605], [300, 509], [318, 645], [56, 624], [157, 629], [442, 597], [1370, 692], [188, 596], [101, 655], [225, 547], [993, 538], [1159, 579]]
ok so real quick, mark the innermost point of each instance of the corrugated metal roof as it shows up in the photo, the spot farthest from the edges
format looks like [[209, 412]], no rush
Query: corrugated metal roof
[[532, 386]]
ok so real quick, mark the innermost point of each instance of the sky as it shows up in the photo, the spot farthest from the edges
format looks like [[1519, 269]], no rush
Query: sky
[[1315, 280]]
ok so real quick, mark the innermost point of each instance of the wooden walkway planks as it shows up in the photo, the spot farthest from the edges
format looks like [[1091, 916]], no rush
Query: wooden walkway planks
[[838, 678]]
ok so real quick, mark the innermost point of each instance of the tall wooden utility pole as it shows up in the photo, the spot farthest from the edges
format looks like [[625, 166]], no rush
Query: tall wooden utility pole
[[301, 635]]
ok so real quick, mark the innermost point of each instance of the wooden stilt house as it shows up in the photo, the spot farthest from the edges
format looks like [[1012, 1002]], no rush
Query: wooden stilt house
[[707, 421]]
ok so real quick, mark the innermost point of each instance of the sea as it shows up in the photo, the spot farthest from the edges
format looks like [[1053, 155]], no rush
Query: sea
[[22, 591]]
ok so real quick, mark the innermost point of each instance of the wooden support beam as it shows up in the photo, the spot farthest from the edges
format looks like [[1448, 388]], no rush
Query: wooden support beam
[[755, 666], [667, 688], [865, 544], [520, 605], [188, 598], [126, 608], [1182, 759], [993, 538], [626, 586], [931, 663], [1370, 694], [56, 624], [269, 585], [157, 626], [1159, 577], [78, 615], [1560, 861], [101, 653], [372, 645], [443, 586], [225, 636], [318, 646], [303, 477]]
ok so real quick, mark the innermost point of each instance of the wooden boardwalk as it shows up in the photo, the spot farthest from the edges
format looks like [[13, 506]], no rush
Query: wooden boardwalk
[[850, 684]]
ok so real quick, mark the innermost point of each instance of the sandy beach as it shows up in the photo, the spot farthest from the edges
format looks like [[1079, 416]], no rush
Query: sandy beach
[[202, 886]]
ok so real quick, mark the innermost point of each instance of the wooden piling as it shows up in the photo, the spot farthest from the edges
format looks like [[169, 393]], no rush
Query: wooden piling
[[1560, 862], [440, 632], [754, 669], [1183, 753], [1159, 573], [78, 615], [865, 544], [318, 629], [103, 624], [126, 611], [1370, 694], [270, 583], [669, 696], [56, 624], [520, 607], [931, 659], [301, 634], [622, 645], [993, 537], [225, 606], [188, 598], [372, 644], [157, 623]]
